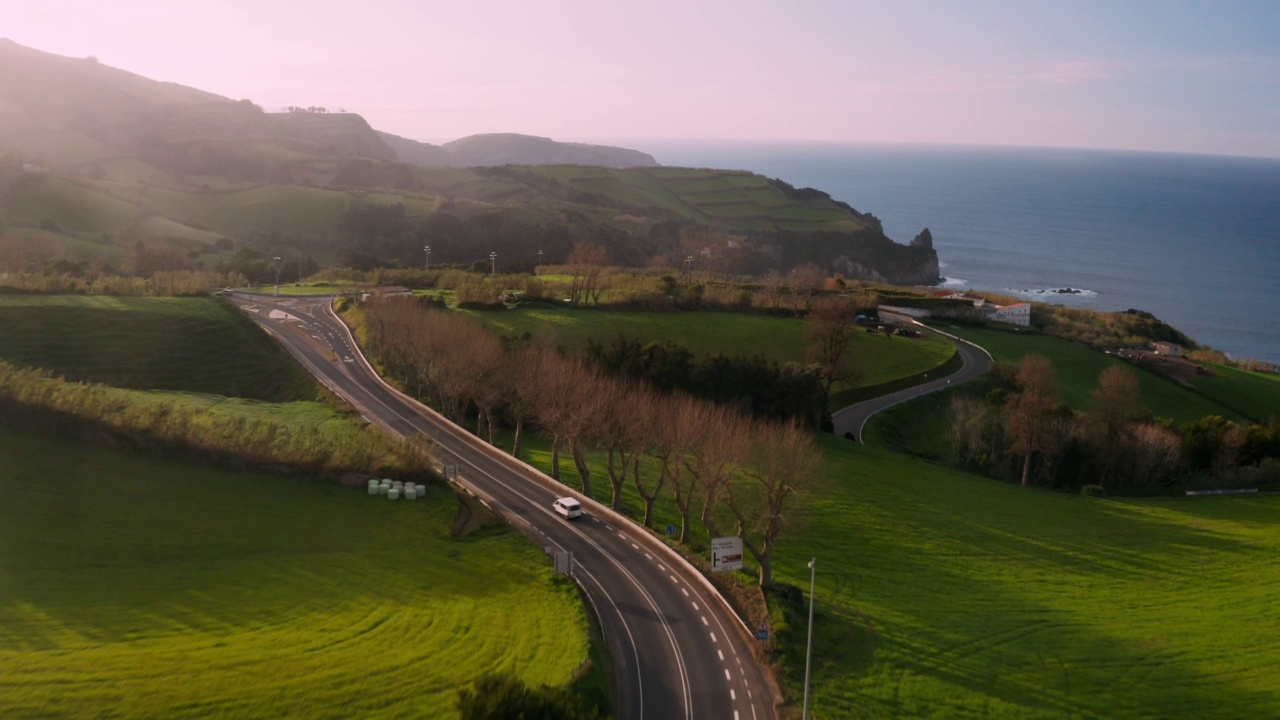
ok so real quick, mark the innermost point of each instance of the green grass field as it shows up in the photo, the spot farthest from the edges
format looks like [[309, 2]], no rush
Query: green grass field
[[944, 595], [133, 587], [1079, 367], [191, 344], [1254, 394], [880, 357]]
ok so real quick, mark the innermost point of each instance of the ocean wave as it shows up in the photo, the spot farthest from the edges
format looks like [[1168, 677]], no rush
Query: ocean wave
[[1055, 292], [953, 282]]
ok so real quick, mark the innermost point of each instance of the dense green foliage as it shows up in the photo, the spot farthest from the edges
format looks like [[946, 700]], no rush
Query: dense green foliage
[[750, 383], [503, 697]]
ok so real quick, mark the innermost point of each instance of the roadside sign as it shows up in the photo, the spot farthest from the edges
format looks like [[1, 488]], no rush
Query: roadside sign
[[564, 563], [671, 529], [726, 553], [762, 634]]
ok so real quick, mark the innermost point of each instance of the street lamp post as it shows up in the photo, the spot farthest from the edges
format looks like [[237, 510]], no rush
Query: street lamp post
[[493, 263], [539, 257], [808, 653], [688, 269], [427, 250], [278, 261]]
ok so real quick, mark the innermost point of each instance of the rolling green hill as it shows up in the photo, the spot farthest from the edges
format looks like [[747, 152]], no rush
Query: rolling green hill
[[102, 151]]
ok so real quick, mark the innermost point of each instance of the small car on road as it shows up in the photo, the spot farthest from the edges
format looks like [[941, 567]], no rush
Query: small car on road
[[567, 507]]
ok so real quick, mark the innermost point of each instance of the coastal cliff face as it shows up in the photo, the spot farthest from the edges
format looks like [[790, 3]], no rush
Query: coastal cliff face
[[916, 268]]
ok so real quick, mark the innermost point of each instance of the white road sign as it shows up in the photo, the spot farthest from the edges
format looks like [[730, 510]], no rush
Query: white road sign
[[726, 553]]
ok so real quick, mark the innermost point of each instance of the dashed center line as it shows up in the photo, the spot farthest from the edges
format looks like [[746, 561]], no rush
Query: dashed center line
[[732, 695], [637, 547], [720, 653], [727, 676], [713, 638], [695, 606], [686, 592], [704, 619]]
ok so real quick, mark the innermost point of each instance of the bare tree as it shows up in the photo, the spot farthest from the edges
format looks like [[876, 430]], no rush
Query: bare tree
[[832, 324], [1108, 427], [806, 282], [771, 287], [586, 263], [1029, 412], [652, 419], [782, 459], [719, 439]]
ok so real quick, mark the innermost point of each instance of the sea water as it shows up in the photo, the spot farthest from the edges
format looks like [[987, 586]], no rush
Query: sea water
[[1194, 239]]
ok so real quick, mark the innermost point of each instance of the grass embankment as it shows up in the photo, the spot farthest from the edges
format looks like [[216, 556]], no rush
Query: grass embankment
[[1079, 367], [1253, 394], [881, 358], [136, 587]]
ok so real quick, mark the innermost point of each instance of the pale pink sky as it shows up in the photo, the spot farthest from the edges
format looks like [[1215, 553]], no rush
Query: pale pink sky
[[1150, 76]]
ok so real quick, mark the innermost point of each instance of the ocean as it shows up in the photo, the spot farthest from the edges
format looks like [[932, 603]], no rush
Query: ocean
[[1194, 239]]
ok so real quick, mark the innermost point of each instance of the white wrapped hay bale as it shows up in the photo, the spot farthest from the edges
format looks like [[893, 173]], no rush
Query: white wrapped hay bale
[[397, 485], [374, 487], [411, 493], [393, 494], [382, 489]]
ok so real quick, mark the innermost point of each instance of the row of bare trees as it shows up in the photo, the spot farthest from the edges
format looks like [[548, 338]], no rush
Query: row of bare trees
[[732, 473]]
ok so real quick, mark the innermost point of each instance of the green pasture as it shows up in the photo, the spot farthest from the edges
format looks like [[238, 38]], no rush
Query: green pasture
[[190, 344], [44, 246], [1253, 394], [134, 587], [942, 594], [75, 207], [1078, 369], [880, 357]]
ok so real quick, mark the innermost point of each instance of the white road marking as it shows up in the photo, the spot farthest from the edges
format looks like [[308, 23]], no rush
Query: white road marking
[[735, 715], [674, 579], [720, 653], [727, 676], [648, 556], [713, 638], [733, 696], [608, 527], [704, 619], [686, 592], [695, 606], [637, 547]]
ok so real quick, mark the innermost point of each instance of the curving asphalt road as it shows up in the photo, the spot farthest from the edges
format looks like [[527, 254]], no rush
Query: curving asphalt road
[[679, 653], [975, 362]]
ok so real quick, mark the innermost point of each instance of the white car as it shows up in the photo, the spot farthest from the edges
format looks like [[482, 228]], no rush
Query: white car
[[567, 507]]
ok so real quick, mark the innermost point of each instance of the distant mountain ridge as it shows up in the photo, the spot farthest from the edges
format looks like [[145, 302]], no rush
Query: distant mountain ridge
[[99, 164]]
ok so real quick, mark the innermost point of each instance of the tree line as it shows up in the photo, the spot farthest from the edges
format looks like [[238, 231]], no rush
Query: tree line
[[1022, 430], [732, 473]]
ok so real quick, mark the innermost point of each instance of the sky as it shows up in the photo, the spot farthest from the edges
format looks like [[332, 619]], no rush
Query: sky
[[1200, 77]]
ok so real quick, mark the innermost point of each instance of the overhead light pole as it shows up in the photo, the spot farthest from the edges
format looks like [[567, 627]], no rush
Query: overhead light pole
[[493, 263], [427, 250], [808, 653], [278, 262]]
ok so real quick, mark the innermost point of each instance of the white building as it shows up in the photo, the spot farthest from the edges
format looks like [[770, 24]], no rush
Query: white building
[[1167, 348], [1016, 314]]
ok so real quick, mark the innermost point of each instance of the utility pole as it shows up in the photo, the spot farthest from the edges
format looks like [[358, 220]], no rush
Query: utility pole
[[808, 653], [299, 267], [493, 262], [278, 262], [427, 250]]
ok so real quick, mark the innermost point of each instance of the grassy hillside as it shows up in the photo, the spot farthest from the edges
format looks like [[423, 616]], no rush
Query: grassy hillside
[[946, 595], [191, 344], [1079, 367], [176, 591], [880, 357], [1254, 394]]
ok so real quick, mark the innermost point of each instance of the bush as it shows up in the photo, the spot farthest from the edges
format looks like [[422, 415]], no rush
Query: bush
[[1093, 491]]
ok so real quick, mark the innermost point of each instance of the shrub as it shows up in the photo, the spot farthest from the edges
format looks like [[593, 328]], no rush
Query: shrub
[[1093, 491]]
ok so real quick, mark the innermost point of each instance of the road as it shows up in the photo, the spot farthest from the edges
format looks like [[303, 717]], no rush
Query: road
[[678, 651], [974, 362]]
